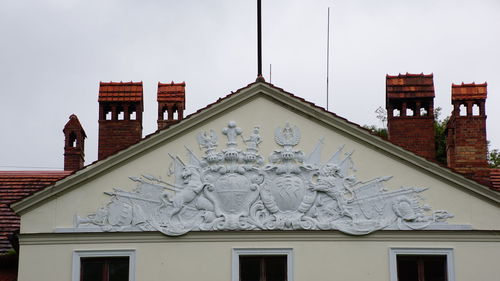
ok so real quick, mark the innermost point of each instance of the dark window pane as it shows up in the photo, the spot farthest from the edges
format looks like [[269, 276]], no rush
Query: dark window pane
[[91, 269], [118, 269], [259, 268], [435, 268], [105, 269], [250, 268], [422, 267], [276, 268], [407, 268]]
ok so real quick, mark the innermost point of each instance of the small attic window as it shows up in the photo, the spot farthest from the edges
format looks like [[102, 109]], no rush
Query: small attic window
[[176, 114], [475, 110], [396, 113], [132, 113], [109, 115], [409, 112], [423, 112], [165, 113], [121, 115], [72, 139], [462, 110]]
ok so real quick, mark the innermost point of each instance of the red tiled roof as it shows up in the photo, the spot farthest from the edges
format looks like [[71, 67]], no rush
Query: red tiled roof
[[471, 91], [171, 92], [410, 85], [495, 179], [15, 185], [120, 91]]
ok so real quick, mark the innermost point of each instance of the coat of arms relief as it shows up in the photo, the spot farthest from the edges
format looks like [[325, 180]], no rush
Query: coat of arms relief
[[235, 188]]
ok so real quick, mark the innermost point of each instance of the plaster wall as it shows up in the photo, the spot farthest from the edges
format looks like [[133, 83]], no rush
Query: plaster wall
[[175, 259], [269, 114]]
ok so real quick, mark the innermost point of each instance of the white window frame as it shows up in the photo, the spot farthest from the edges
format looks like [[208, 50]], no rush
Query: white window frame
[[448, 252], [79, 254], [237, 252]]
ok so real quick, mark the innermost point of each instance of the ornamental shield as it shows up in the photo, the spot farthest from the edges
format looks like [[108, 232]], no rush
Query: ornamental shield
[[232, 194], [288, 192]]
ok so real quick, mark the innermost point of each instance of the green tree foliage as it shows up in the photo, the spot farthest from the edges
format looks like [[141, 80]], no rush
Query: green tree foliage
[[494, 158], [440, 135], [381, 132]]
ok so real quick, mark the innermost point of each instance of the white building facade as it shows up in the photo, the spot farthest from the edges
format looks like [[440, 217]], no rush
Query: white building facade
[[261, 186]]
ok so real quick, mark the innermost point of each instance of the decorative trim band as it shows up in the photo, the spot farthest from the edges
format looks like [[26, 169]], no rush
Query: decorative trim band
[[259, 236]]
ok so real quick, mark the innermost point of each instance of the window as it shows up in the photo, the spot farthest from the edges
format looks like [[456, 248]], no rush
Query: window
[[104, 269], [262, 265], [104, 265], [421, 264]]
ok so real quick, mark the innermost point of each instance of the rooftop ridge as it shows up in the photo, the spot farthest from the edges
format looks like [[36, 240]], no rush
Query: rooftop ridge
[[410, 75], [120, 83], [473, 84], [183, 83]]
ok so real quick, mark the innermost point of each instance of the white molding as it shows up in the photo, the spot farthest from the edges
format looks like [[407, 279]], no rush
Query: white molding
[[448, 252], [109, 238], [237, 252], [78, 254]]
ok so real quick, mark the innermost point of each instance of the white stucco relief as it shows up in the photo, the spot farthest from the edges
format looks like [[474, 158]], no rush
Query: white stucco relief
[[235, 189]]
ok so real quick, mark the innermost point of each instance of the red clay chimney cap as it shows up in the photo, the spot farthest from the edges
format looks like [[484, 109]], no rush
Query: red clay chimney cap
[[172, 92], [470, 91], [120, 91], [410, 85]]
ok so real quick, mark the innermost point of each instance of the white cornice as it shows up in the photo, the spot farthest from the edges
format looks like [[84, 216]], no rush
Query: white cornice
[[258, 236]]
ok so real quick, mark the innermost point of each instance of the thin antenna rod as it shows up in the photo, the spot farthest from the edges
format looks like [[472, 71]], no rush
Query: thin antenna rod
[[327, 57], [270, 73], [259, 42]]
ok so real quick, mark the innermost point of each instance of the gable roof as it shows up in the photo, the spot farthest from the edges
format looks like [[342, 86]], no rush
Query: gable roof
[[245, 94], [15, 185]]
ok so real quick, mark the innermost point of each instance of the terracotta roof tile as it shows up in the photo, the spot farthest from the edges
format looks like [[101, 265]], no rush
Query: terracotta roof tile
[[410, 85], [171, 92], [16, 185], [470, 91], [120, 91]]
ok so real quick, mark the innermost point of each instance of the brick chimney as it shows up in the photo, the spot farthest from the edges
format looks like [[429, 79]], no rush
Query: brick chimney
[[120, 116], [410, 113], [74, 144], [466, 145], [171, 103]]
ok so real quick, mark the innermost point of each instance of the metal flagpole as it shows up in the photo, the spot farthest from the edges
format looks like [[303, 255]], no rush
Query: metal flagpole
[[260, 78], [327, 57]]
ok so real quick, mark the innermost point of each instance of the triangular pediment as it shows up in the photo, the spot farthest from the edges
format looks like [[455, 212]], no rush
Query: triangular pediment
[[343, 177]]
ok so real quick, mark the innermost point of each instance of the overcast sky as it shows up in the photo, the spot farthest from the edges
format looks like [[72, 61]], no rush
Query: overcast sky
[[53, 54]]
